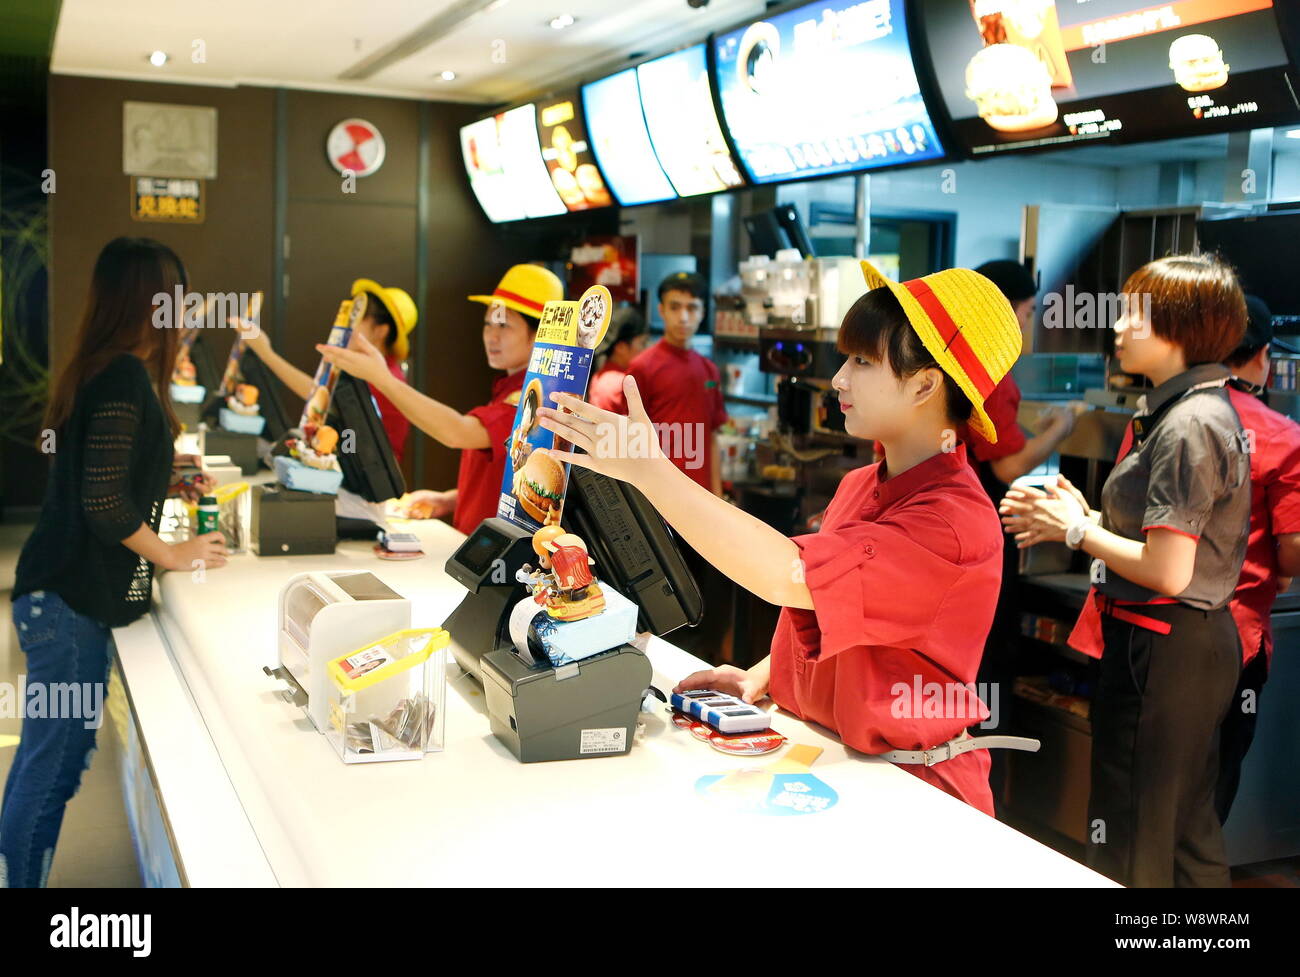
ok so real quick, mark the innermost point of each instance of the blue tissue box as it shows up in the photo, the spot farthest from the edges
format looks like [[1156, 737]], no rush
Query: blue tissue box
[[566, 642], [182, 394], [293, 474], [241, 423]]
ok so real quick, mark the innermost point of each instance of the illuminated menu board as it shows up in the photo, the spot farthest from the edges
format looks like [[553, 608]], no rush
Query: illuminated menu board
[[1023, 74], [824, 88], [678, 101], [506, 172], [622, 144], [567, 153]]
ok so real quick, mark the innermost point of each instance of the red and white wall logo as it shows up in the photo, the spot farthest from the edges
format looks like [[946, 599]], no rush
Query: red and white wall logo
[[355, 145]]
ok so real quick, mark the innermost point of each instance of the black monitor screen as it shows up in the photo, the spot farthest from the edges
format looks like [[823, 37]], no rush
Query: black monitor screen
[[634, 550], [1262, 249], [370, 468], [254, 371], [205, 364]]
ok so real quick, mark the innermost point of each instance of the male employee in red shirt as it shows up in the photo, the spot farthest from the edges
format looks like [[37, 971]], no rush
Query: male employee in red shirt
[[1273, 545], [681, 389], [509, 328]]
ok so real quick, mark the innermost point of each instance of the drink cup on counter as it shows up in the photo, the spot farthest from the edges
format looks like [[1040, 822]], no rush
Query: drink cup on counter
[[735, 378]]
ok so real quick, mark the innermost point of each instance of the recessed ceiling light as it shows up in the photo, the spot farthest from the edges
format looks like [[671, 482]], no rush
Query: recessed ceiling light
[[448, 76], [558, 23], [158, 58]]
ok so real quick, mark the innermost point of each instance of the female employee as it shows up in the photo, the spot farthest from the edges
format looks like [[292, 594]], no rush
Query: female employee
[[390, 316], [896, 591], [1168, 542], [625, 338], [88, 565], [509, 326]]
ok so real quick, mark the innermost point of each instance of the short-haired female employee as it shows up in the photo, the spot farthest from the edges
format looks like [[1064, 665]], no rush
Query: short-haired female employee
[[1168, 545], [88, 565], [897, 588]]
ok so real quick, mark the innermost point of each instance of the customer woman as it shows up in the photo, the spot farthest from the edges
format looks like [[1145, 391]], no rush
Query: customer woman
[[88, 565], [895, 592], [1168, 544]]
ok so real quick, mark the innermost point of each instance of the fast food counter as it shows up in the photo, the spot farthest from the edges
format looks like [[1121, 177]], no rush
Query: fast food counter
[[251, 795]]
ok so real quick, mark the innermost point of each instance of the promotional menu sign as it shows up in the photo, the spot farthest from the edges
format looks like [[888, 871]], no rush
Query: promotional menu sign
[[503, 158], [567, 154], [532, 491], [606, 260], [1022, 74], [825, 88], [622, 144], [678, 102]]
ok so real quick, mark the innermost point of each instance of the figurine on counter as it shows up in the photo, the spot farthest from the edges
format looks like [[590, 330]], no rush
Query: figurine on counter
[[317, 448], [244, 400], [564, 584]]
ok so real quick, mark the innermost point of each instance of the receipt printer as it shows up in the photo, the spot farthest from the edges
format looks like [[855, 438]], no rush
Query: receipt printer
[[323, 616], [583, 709]]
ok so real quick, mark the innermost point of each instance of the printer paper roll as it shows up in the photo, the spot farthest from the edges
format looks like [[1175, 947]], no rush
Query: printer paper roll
[[520, 618]]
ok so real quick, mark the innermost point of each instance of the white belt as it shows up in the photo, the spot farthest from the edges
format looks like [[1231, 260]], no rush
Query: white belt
[[962, 744]]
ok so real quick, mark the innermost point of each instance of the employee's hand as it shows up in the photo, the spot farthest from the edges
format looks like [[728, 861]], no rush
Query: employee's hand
[[1039, 516], [1063, 484], [253, 336], [361, 359], [617, 446], [425, 504], [209, 550], [725, 678], [1058, 420]]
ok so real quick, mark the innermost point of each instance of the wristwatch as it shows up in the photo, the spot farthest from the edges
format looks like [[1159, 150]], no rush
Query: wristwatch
[[1074, 535]]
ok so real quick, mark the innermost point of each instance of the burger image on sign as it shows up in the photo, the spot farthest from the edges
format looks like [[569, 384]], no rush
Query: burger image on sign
[[1197, 63], [541, 487], [1011, 88], [355, 146]]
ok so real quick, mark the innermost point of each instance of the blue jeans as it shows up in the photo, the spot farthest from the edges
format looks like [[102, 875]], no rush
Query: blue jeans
[[67, 676]]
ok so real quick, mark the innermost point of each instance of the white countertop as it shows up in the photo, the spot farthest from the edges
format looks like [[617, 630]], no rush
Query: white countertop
[[255, 796]]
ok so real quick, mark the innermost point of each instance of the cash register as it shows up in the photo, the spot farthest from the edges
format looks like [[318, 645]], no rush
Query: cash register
[[586, 708]]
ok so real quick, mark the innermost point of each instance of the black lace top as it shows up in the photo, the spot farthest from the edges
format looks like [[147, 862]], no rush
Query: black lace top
[[112, 464]]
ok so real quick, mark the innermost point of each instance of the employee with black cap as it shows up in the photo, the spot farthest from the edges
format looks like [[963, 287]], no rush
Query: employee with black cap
[[998, 465], [1273, 545]]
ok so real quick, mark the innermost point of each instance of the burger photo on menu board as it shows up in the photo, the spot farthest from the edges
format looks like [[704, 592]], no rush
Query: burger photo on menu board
[[1197, 63], [1011, 88], [541, 486]]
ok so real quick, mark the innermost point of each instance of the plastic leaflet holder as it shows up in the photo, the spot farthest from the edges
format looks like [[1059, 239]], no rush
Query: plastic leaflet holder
[[386, 698], [323, 616], [234, 508]]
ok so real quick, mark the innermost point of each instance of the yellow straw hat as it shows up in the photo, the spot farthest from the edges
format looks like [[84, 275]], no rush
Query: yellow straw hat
[[525, 288], [968, 326], [399, 305]]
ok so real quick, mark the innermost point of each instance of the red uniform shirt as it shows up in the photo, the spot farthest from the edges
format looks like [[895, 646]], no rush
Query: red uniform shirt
[[606, 390], [1002, 406], [904, 576], [1274, 512], [682, 394], [478, 487], [396, 425]]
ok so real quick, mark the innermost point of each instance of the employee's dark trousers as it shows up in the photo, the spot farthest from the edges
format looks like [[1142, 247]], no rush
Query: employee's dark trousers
[[1238, 732], [1155, 733]]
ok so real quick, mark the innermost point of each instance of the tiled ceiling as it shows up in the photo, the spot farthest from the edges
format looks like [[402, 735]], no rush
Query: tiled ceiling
[[500, 50]]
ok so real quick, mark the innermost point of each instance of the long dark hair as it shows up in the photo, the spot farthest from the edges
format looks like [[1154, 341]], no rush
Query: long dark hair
[[119, 318]]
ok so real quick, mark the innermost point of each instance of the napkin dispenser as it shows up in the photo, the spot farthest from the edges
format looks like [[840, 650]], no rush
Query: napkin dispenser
[[323, 616]]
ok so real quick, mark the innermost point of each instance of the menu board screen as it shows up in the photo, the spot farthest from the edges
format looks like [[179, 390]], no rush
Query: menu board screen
[[504, 161], [622, 144], [825, 88], [567, 153], [678, 102], [1020, 74]]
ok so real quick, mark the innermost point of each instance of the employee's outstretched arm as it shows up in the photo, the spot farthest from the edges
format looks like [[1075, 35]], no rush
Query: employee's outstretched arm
[[1036, 450], [440, 422], [747, 550], [288, 374]]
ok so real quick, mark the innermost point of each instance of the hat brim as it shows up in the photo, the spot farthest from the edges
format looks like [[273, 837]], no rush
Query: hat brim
[[508, 303], [979, 422], [401, 345]]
